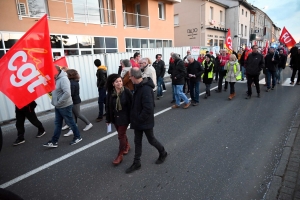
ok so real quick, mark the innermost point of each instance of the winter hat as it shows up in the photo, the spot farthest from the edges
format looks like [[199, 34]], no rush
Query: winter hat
[[208, 55]]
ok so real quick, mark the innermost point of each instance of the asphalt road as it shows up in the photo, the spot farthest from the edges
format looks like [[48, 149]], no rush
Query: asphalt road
[[220, 149]]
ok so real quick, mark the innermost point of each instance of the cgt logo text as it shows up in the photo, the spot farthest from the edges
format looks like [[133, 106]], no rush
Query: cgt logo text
[[192, 32], [18, 79]]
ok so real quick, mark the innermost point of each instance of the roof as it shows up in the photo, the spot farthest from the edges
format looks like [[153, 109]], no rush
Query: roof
[[218, 3], [246, 4]]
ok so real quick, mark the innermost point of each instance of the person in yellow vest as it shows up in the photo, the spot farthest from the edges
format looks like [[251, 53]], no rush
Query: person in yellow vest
[[208, 74], [233, 74]]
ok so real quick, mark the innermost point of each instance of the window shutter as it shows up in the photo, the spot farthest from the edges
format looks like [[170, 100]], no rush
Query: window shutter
[[21, 9]]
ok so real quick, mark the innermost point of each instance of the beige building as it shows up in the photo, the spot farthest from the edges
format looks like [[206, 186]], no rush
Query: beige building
[[79, 27], [199, 23]]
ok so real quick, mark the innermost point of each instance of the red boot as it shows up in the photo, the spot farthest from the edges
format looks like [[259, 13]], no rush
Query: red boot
[[118, 159], [127, 148]]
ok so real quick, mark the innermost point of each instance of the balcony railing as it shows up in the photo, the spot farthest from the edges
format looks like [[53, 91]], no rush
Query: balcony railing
[[69, 12], [136, 20]]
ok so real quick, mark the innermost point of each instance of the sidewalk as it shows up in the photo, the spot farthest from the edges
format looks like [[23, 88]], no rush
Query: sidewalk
[[285, 184]]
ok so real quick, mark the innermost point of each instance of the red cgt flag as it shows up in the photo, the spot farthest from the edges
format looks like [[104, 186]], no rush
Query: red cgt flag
[[62, 62], [27, 70], [228, 42], [265, 51], [287, 38]]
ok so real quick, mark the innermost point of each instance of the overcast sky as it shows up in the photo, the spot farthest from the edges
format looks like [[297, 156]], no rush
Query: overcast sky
[[283, 13]]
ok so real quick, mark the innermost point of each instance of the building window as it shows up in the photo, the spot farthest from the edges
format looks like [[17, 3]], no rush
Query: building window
[[242, 11], [215, 42], [161, 10], [221, 44], [252, 18], [158, 43], [152, 43], [245, 31], [146, 43], [211, 13], [242, 27], [21, 9], [37, 8], [176, 20], [210, 42], [221, 17], [246, 13]]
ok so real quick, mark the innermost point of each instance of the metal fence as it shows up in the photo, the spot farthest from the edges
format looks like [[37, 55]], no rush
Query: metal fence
[[84, 64]]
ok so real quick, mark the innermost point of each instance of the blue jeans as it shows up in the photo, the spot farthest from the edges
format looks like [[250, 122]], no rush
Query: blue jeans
[[278, 73], [179, 94], [101, 101], [173, 93], [64, 114], [194, 91], [243, 72], [159, 88], [269, 75]]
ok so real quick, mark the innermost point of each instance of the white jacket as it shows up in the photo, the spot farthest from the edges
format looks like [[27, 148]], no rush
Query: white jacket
[[149, 71]]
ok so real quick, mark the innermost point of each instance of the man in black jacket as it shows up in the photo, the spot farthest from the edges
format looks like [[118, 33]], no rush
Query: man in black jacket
[[271, 62], [194, 70], [281, 64], [101, 81], [159, 66], [254, 64], [142, 118], [296, 67], [178, 75]]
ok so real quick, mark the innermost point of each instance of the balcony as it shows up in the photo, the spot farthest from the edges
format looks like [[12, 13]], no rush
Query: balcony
[[136, 20], [66, 11]]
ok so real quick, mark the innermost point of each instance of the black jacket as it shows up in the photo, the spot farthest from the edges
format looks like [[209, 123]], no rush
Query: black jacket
[[101, 78], [282, 61], [242, 59], [195, 68], [178, 71], [254, 63], [142, 109], [121, 117], [159, 68], [28, 108], [120, 70], [75, 91], [217, 64], [296, 61], [269, 64]]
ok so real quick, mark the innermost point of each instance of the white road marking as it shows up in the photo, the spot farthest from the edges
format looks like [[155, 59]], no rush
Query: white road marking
[[49, 164], [287, 82]]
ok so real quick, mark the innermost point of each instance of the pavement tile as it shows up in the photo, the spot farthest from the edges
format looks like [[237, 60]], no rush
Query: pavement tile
[[297, 194], [293, 164], [295, 160], [287, 190], [285, 197], [292, 168], [289, 184], [291, 179], [291, 173]]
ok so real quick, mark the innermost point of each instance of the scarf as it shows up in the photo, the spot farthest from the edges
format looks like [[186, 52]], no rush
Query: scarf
[[124, 71], [118, 101]]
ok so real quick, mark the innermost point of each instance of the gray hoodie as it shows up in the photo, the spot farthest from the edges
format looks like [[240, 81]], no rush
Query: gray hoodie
[[61, 96]]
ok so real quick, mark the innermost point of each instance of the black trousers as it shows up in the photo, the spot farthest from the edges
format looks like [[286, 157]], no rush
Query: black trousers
[[295, 69], [138, 137], [250, 80], [31, 116], [222, 74], [232, 90]]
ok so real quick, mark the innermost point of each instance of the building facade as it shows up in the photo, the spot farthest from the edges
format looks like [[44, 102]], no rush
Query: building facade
[[199, 23], [238, 20], [79, 27]]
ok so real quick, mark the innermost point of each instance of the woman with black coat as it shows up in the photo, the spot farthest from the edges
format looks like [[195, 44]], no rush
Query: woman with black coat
[[74, 82], [208, 74], [118, 106]]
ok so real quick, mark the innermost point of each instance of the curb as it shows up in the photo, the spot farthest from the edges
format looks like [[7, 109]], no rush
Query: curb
[[275, 184]]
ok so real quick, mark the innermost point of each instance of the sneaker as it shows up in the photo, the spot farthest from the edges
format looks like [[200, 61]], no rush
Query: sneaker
[[164, 90], [133, 167], [267, 90], [65, 127], [292, 83], [161, 158], [157, 98], [75, 141], [218, 91], [50, 144], [187, 105], [99, 119], [88, 127], [68, 133], [18, 141], [40, 134], [248, 97], [258, 95], [173, 101], [175, 106], [195, 104], [272, 88]]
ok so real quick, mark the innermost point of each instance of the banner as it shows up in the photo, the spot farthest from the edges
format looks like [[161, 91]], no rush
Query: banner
[[286, 38], [265, 50], [228, 42], [27, 70], [62, 62]]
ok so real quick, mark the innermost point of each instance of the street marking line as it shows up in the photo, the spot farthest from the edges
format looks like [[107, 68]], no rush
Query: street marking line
[[49, 164], [287, 82]]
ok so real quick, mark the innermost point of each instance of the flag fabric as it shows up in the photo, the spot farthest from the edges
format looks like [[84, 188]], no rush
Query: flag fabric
[[27, 70], [228, 42], [286, 38], [62, 62], [265, 51]]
